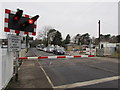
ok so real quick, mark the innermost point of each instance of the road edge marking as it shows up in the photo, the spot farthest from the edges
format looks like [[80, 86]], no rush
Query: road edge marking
[[86, 83], [46, 75]]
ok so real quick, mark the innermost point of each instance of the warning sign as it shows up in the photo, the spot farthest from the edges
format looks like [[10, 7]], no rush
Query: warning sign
[[14, 43]]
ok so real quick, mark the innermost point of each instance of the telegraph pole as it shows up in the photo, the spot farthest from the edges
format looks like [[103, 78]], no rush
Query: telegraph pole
[[27, 41], [99, 35], [17, 63]]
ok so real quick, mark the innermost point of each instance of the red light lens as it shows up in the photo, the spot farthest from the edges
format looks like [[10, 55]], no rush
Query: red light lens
[[15, 18], [31, 21]]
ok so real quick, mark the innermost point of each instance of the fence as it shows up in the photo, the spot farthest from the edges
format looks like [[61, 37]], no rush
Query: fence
[[6, 65]]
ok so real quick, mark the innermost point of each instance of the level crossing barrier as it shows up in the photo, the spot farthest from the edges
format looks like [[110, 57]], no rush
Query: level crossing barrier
[[54, 57]]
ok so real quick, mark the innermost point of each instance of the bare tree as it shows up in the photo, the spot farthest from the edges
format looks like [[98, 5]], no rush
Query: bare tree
[[43, 32]]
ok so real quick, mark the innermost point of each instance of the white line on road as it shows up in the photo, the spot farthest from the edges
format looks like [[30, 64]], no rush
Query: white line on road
[[46, 75], [92, 82]]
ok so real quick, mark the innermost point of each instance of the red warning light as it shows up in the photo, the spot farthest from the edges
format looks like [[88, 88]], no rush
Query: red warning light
[[31, 21], [15, 18]]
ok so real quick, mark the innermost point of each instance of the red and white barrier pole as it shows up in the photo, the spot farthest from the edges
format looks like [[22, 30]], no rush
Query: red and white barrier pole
[[55, 57]]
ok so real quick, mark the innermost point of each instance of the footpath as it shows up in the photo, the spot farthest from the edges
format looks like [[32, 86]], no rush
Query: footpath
[[30, 76]]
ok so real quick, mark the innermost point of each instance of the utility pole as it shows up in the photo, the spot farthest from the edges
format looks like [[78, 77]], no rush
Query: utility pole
[[16, 63], [27, 41], [99, 33], [90, 45], [99, 36]]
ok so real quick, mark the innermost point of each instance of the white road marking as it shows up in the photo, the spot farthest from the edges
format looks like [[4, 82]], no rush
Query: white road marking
[[92, 82], [46, 75]]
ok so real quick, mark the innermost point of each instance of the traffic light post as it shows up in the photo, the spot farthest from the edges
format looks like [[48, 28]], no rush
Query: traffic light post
[[19, 23]]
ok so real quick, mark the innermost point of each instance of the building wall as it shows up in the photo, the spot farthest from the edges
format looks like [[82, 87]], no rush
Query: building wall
[[6, 62], [70, 48], [109, 48]]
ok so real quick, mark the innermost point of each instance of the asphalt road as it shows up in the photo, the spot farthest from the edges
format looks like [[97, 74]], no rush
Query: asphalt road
[[94, 72]]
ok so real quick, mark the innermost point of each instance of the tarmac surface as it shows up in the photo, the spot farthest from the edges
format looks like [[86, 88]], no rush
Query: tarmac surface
[[30, 75], [67, 73]]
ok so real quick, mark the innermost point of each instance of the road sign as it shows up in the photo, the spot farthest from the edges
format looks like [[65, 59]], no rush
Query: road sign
[[14, 43]]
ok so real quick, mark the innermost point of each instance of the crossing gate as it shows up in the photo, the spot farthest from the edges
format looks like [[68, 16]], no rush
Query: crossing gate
[[54, 57]]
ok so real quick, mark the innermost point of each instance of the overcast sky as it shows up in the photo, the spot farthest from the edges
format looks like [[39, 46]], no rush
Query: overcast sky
[[71, 17]]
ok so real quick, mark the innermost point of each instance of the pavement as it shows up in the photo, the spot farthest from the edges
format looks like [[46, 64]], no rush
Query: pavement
[[30, 76]]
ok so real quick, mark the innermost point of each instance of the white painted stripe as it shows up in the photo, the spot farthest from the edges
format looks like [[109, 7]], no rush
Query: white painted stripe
[[69, 56], [86, 83], [46, 75], [12, 31], [84, 55], [21, 32], [35, 29], [50, 57], [6, 25], [29, 33], [6, 15], [32, 58]]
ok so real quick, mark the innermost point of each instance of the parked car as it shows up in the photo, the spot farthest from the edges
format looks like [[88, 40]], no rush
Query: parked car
[[40, 47], [45, 49], [50, 49], [59, 51]]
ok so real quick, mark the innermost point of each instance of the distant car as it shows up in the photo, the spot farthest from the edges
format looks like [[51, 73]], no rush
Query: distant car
[[59, 51], [38, 47], [45, 49], [50, 49], [76, 49]]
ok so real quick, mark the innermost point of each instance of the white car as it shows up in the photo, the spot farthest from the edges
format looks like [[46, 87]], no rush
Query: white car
[[50, 49], [45, 49]]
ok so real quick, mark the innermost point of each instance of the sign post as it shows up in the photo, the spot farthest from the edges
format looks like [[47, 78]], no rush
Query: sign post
[[19, 23], [14, 44]]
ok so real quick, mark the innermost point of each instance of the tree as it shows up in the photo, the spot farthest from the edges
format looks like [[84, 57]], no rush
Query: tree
[[118, 38], [82, 39], [85, 39], [105, 38], [57, 39], [77, 39], [67, 40], [44, 32], [50, 35]]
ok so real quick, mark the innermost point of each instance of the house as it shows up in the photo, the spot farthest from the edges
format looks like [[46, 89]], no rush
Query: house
[[108, 48], [71, 47]]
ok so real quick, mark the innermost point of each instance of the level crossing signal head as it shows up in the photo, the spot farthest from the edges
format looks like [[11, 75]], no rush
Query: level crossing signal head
[[33, 19], [19, 22], [29, 22]]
